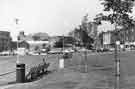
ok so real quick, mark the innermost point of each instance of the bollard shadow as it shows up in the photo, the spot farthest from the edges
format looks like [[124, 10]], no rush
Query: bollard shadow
[[12, 82]]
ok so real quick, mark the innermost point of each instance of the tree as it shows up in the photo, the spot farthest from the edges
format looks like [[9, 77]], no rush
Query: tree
[[119, 13], [85, 38]]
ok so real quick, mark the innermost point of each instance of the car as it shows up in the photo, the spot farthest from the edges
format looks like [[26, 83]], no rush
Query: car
[[111, 49], [43, 54], [82, 49], [67, 51], [99, 49], [5, 53], [128, 49], [71, 50], [33, 53], [54, 51], [67, 55], [105, 49]]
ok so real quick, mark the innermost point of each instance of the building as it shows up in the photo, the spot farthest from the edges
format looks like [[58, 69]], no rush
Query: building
[[21, 36], [23, 44], [33, 41], [37, 45], [107, 39], [125, 36], [5, 40], [56, 41], [36, 36]]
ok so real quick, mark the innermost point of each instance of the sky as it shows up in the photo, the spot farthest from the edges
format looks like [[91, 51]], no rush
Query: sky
[[55, 17]]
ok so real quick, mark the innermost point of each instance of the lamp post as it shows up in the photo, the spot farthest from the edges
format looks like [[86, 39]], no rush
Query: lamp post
[[20, 67], [63, 45], [61, 60], [16, 22]]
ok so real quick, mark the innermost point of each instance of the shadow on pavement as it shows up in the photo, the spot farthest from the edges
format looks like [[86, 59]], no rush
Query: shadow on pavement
[[39, 76]]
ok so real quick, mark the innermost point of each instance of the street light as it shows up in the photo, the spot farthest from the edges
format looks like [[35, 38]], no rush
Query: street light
[[20, 67], [17, 22], [61, 60]]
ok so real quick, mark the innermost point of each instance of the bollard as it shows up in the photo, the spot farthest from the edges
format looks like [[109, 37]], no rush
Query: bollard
[[20, 73], [61, 63]]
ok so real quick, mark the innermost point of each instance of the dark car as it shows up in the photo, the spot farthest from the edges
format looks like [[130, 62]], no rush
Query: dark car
[[99, 50], [105, 50]]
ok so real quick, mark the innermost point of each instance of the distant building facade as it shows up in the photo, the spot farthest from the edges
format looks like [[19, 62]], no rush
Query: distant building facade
[[37, 45], [125, 36], [33, 41], [5, 40], [33, 37], [23, 44], [108, 39]]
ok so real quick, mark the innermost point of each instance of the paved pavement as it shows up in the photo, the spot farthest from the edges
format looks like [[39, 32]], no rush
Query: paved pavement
[[72, 79], [63, 79]]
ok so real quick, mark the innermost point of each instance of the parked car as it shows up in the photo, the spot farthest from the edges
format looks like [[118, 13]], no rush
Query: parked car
[[68, 51], [111, 49], [99, 49], [5, 53], [55, 51], [105, 49], [33, 53]]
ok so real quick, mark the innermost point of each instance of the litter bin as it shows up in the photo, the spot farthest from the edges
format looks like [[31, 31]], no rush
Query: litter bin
[[20, 73]]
